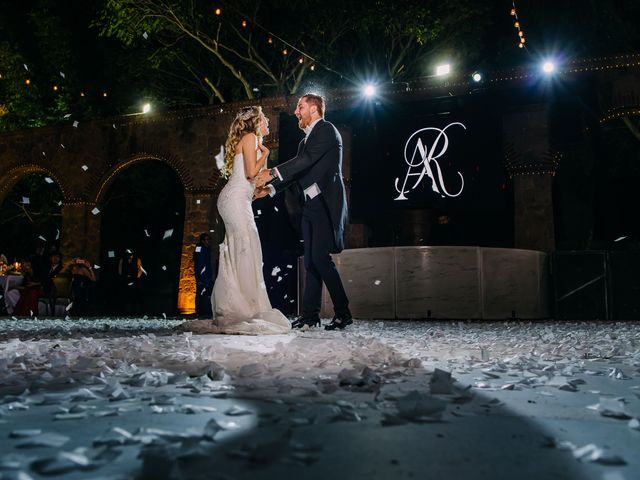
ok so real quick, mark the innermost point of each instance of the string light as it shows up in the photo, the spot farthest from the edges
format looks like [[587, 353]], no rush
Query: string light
[[285, 51], [55, 88], [104, 94], [516, 24], [82, 94], [218, 11], [270, 40], [301, 60], [244, 24]]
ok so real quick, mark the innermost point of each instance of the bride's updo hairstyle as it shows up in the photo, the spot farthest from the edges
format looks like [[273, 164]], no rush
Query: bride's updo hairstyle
[[246, 121]]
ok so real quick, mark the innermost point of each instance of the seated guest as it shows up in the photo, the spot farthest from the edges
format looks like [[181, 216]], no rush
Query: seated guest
[[83, 278], [55, 267], [30, 289], [3, 264]]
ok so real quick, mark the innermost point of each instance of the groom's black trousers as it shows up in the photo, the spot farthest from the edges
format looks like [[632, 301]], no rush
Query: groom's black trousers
[[317, 233]]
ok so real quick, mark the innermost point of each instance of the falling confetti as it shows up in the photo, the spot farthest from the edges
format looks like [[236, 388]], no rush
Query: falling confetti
[[145, 35], [95, 211], [167, 234], [111, 254], [75, 124], [48, 179], [25, 200], [85, 168]]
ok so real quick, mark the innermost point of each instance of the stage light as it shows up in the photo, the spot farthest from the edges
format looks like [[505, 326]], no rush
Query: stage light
[[146, 108], [548, 67], [477, 76], [369, 90], [442, 70]]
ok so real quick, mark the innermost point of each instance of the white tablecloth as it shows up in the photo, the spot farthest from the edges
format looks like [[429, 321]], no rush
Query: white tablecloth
[[7, 282]]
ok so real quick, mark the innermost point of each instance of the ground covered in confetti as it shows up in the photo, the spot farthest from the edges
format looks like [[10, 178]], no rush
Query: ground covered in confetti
[[124, 399]]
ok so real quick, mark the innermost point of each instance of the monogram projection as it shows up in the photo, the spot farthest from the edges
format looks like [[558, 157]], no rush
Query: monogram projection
[[423, 153]]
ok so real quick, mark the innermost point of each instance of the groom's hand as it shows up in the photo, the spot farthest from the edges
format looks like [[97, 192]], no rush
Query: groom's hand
[[262, 178]]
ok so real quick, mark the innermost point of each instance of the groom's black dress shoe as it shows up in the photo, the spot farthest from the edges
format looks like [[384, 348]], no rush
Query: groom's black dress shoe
[[339, 323], [308, 321]]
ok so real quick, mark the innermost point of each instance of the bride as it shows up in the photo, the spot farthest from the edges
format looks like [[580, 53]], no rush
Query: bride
[[239, 301]]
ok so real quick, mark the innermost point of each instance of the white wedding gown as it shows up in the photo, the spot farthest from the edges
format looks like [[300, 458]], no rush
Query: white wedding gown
[[239, 301]]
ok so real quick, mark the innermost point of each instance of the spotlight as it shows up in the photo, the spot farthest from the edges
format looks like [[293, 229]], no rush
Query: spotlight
[[146, 108], [369, 90], [477, 76], [548, 67], [442, 70]]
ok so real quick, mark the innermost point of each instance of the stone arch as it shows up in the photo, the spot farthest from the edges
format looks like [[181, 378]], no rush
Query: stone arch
[[10, 178], [107, 178]]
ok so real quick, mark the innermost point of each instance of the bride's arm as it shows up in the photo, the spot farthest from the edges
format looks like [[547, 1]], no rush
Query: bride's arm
[[253, 164]]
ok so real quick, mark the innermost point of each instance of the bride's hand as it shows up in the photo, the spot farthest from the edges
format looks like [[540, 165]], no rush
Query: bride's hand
[[264, 153], [260, 192]]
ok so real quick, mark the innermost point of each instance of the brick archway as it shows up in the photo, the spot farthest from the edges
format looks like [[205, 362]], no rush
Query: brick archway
[[103, 183], [13, 175]]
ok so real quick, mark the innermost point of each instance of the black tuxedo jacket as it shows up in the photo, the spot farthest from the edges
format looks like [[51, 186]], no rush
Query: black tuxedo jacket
[[319, 160]]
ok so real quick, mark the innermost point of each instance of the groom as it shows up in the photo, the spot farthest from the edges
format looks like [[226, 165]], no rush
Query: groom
[[318, 170]]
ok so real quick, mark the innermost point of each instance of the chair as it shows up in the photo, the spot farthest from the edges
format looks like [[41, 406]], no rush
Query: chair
[[59, 298]]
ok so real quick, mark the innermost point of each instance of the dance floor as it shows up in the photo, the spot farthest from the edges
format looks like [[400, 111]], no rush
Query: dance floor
[[119, 399]]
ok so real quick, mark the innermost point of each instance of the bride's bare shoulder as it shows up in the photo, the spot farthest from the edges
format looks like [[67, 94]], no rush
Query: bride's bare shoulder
[[249, 138]]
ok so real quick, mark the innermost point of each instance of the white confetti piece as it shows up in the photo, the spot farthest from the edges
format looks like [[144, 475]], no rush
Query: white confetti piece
[[85, 168], [75, 124], [111, 254], [42, 238], [198, 249], [276, 209], [275, 271], [95, 211], [67, 115], [25, 200], [48, 179], [377, 282], [167, 234], [146, 233], [164, 267], [145, 35], [198, 201], [62, 74], [62, 145], [25, 67], [96, 267]]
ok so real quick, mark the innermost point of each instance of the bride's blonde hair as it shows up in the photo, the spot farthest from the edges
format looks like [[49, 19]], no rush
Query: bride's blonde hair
[[247, 121]]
